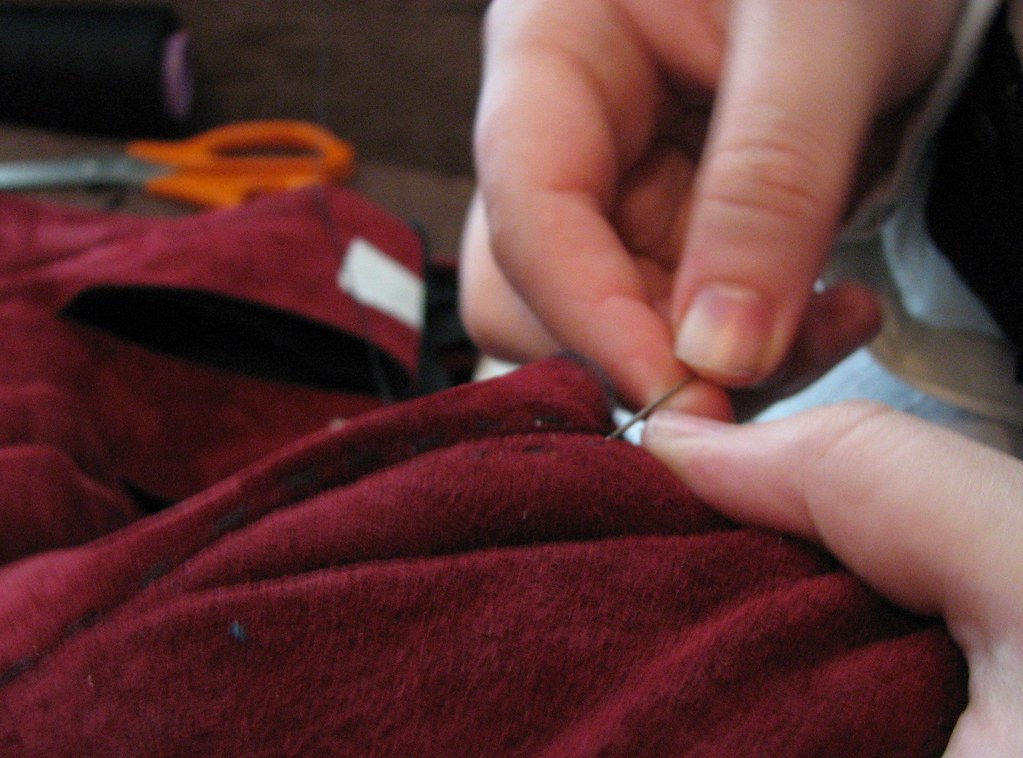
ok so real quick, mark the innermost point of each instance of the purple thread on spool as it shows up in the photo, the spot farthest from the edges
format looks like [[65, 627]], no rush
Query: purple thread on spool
[[178, 75], [118, 71]]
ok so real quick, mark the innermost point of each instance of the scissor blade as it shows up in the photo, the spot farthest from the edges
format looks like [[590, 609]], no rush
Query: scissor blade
[[96, 171]]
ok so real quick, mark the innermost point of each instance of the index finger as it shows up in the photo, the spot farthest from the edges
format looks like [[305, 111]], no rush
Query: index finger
[[802, 85], [552, 139]]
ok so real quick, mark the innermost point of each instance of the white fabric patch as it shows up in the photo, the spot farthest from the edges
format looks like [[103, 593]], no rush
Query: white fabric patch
[[634, 433], [375, 279]]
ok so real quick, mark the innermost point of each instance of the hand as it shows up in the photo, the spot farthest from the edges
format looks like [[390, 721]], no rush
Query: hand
[[932, 520], [667, 178]]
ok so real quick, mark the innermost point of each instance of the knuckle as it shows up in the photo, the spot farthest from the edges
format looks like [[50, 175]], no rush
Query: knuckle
[[852, 417], [774, 178], [504, 234], [852, 428], [494, 328], [476, 319], [479, 316]]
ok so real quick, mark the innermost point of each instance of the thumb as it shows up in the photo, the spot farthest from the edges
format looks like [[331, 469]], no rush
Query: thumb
[[801, 86], [928, 518]]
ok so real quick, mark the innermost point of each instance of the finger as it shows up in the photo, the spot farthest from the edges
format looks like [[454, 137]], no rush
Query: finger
[[838, 321], [891, 495], [774, 179], [653, 206], [552, 139], [502, 325], [927, 517], [496, 318]]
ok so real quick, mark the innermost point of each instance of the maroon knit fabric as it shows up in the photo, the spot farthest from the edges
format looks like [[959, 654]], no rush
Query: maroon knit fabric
[[89, 419], [478, 572], [282, 251]]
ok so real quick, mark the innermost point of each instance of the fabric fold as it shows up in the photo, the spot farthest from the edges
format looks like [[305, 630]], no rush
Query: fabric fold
[[476, 572], [184, 349]]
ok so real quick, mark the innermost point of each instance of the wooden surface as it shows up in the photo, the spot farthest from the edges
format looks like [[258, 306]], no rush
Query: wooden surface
[[398, 78]]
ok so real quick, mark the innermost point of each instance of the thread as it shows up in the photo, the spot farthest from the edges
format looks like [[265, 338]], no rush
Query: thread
[[119, 71]]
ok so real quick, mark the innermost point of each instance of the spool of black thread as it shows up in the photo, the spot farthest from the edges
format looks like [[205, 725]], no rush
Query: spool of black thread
[[118, 71]]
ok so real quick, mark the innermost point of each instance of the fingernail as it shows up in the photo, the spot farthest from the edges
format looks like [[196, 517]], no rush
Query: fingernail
[[727, 332], [671, 425]]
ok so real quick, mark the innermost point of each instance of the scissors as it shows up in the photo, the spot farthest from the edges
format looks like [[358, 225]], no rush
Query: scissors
[[220, 167]]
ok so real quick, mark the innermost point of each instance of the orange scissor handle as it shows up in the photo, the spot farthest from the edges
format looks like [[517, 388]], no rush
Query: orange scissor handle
[[230, 164]]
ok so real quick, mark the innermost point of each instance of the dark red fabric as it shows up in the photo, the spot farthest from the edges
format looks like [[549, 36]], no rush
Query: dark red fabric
[[473, 573], [282, 251], [93, 424]]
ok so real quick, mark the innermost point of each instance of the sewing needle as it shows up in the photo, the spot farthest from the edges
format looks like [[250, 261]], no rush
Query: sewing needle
[[642, 414]]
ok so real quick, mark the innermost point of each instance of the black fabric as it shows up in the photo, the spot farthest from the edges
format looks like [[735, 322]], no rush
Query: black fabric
[[975, 208], [237, 335], [447, 354]]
